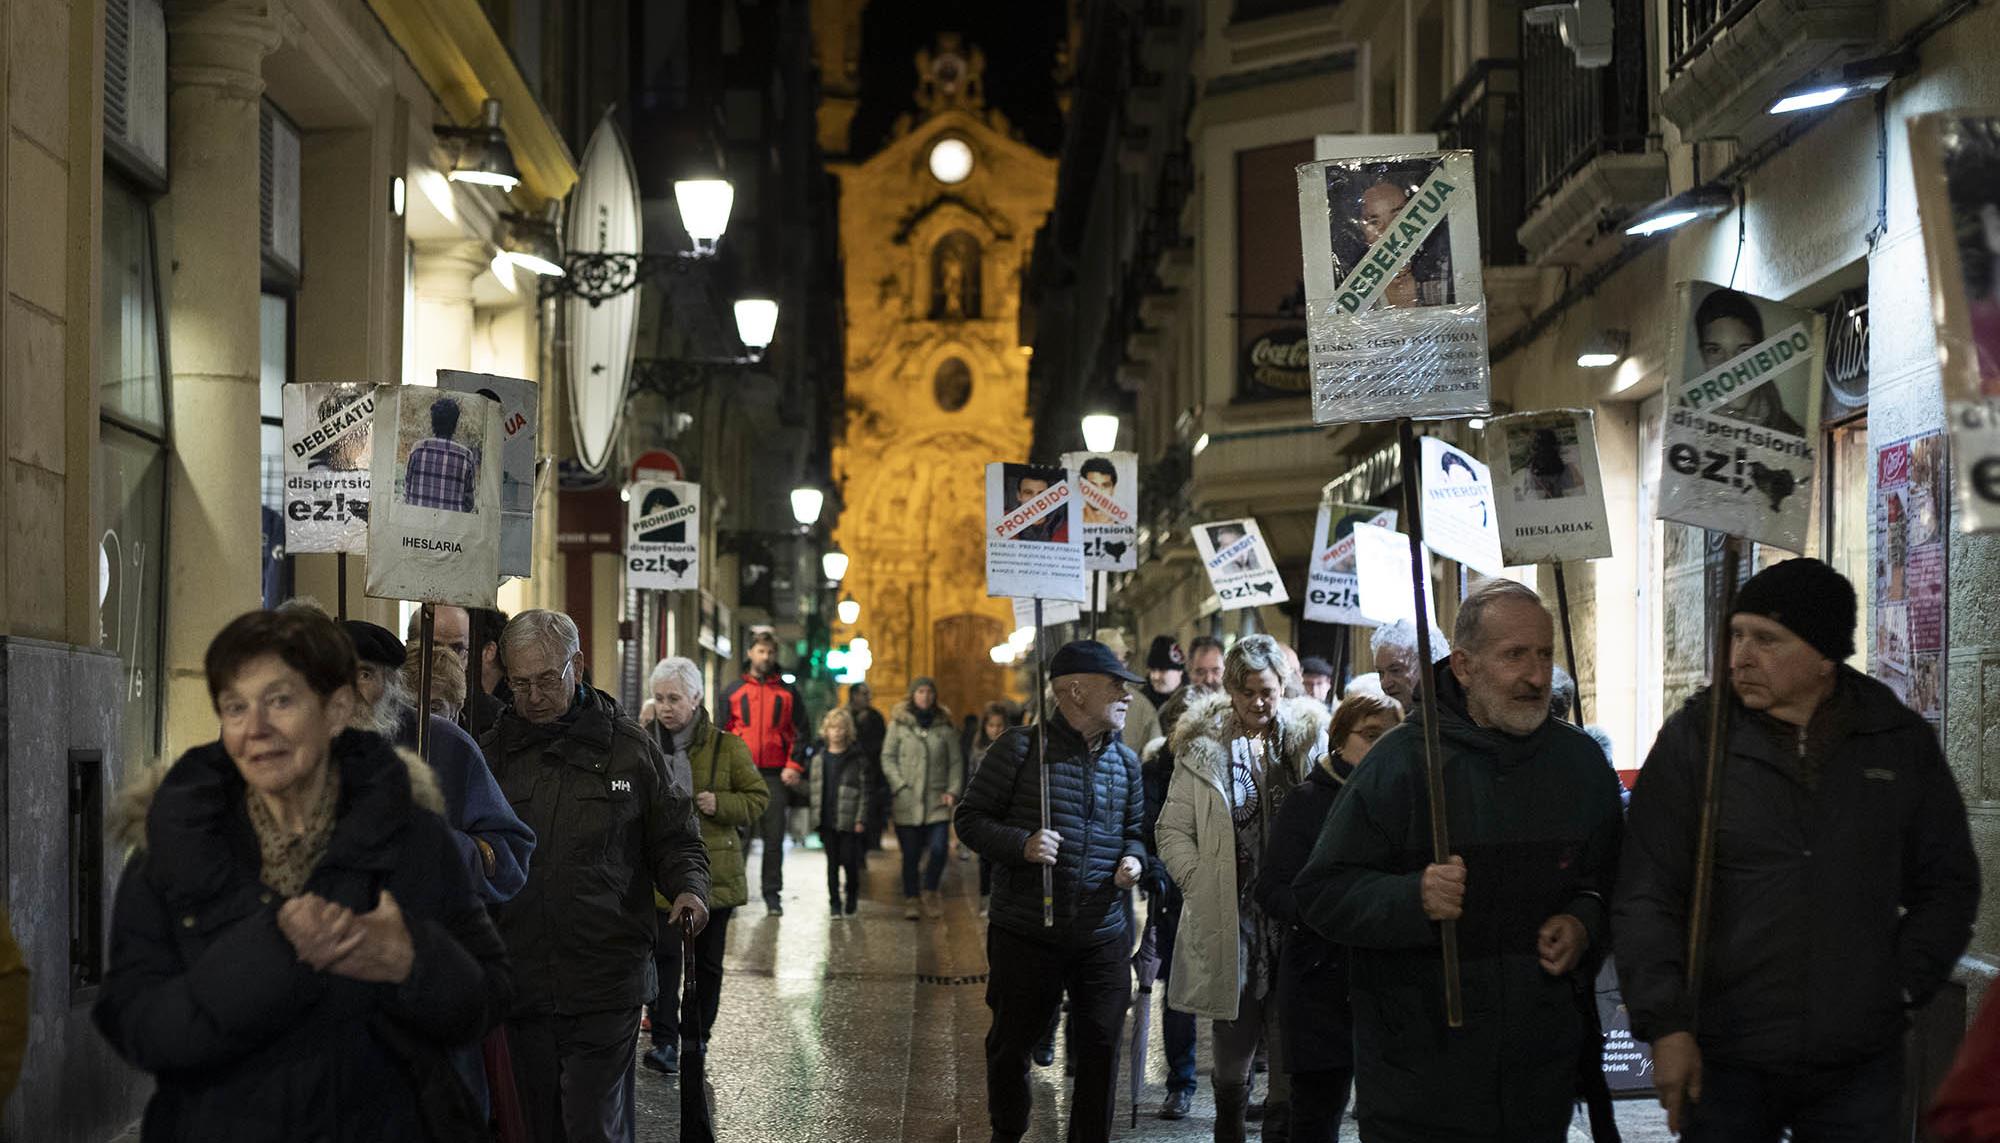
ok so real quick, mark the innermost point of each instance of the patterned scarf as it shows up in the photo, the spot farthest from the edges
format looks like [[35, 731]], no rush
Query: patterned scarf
[[289, 858]]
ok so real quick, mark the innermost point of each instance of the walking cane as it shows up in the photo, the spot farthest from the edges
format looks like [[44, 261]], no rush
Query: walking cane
[[1454, 999], [1701, 898], [697, 1119], [1042, 765], [1569, 643]]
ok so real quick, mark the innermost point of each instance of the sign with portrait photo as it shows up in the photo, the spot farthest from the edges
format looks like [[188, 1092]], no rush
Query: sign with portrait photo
[[329, 430], [1333, 589], [663, 536], [520, 426], [1034, 533], [1107, 487], [1239, 564], [1548, 491], [1396, 309], [1957, 165], [1742, 424], [1459, 520], [434, 525]]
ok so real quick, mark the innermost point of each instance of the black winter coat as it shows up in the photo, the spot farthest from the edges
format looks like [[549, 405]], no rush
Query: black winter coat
[[610, 826], [1318, 1026], [243, 1040], [1537, 820], [1097, 806], [1836, 908]]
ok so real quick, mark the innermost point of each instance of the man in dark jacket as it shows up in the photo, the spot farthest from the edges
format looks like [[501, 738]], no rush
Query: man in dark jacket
[[1096, 816], [1845, 882], [614, 826], [870, 731], [1535, 821], [762, 710]]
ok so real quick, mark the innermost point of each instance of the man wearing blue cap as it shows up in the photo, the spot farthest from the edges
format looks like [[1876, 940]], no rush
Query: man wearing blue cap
[[1092, 838]]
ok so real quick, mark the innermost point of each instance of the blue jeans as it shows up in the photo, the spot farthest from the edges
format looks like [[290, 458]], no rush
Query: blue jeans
[[1858, 1104], [923, 841]]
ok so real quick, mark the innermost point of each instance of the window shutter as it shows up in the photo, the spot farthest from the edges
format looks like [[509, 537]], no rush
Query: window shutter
[[278, 191]]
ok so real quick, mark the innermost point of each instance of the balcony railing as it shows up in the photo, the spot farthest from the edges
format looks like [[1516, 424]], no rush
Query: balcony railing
[[1691, 24], [1483, 115], [1577, 114]]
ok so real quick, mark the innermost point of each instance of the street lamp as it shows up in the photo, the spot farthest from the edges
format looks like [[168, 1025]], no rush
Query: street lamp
[[704, 207], [756, 324], [1679, 210], [530, 243], [806, 503], [834, 564], [1100, 431], [484, 157], [1604, 349], [849, 610]]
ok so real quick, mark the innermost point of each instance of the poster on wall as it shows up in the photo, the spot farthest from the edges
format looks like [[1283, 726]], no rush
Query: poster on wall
[[1548, 490], [520, 430], [329, 430], [1239, 564], [1396, 309], [1459, 520], [1906, 648], [663, 536], [1034, 533], [435, 536], [1054, 612], [1333, 590], [1742, 420], [1107, 486], [1956, 159]]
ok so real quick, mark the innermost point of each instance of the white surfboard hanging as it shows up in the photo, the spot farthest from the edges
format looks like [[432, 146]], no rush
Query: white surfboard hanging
[[603, 219]]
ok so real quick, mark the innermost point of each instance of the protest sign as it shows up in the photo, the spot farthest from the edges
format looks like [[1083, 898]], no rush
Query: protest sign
[[520, 427], [1107, 485], [663, 536], [1548, 490], [1395, 306], [1382, 574], [1239, 564], [329, 428], [1333, 590], [1034, 536], [1742, 422], [1459, 521], [1956, 158], [1054, 612], [434, 533]]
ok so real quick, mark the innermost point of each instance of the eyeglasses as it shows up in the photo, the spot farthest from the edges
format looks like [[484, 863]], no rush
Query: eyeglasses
[[551, 683]]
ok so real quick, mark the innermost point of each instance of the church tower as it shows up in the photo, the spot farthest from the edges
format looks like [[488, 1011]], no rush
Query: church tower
[[935, 233]]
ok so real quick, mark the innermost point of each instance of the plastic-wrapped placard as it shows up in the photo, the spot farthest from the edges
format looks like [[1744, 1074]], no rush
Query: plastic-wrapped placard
[[434, 522], [1956, 156], [329, 430], [1395, 307], [1333, 588], [1742, 417], [663, 536], [1034, 533], [1547, 488]]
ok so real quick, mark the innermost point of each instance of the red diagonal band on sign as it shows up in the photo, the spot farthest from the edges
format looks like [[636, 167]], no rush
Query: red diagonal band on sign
[[1026, 514]]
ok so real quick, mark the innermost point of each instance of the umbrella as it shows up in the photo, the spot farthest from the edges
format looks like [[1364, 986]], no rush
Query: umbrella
[[697, 1121], [1146, 962]]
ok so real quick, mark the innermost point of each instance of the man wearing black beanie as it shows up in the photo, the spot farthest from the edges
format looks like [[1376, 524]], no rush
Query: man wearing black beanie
[[1844, 890]]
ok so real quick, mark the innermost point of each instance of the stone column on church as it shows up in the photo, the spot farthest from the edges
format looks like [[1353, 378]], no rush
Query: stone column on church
[[216, 50], [444, 269]]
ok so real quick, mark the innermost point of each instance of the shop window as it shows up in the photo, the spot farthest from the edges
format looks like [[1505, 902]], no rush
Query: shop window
[[131, 475]]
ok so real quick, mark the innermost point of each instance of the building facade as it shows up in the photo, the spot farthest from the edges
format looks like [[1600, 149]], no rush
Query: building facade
[[935, 230]]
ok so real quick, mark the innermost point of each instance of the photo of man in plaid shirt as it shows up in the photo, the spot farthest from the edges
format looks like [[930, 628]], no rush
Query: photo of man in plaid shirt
[[441, 472]]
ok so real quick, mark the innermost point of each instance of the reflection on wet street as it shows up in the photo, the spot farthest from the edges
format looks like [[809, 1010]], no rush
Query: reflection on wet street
[[871, 1028]]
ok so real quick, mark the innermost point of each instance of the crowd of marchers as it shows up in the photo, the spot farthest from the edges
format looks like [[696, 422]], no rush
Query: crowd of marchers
[[323, 934]]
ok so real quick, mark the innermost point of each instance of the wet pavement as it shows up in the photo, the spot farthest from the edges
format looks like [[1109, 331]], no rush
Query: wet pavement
[[870, 1029]]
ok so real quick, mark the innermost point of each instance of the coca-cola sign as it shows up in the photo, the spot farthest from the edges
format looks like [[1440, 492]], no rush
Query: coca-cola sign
[[1279, 362]]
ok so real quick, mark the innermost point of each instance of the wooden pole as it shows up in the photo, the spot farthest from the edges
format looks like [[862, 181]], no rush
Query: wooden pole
[[340, 586], [1701, 898], [426, 621], [1042, 763], [1454, 999], [1569, 642]]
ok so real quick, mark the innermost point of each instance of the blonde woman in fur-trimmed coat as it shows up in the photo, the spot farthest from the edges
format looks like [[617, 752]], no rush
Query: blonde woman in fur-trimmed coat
[[1236, 756]]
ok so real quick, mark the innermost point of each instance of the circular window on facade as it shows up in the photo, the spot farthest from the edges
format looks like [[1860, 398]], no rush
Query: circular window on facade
[[952, 385]]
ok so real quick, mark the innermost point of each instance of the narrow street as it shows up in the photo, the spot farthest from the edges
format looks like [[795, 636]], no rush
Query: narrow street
[[872, 1029]]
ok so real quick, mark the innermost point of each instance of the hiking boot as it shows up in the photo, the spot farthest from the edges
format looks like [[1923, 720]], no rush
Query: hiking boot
[[912, 910]]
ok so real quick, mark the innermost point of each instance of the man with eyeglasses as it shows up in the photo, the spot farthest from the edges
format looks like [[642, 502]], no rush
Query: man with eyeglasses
[[615, 823], [452, 628]]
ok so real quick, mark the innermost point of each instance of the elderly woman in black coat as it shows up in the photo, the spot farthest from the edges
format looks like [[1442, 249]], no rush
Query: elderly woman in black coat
[[295, 948]]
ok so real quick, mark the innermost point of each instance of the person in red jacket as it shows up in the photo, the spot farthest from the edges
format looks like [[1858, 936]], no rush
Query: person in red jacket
[[765, 713], [1967, 1109]]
